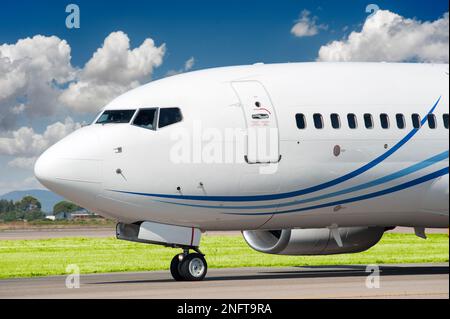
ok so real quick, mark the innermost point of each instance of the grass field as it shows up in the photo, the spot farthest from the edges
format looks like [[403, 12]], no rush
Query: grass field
[[30, 258]]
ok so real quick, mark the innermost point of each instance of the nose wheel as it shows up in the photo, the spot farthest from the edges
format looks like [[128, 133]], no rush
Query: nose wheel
[[188, 267]]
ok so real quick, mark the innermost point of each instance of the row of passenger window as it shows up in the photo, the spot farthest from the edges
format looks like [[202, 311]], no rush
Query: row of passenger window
[[146, 118], [369, 122]]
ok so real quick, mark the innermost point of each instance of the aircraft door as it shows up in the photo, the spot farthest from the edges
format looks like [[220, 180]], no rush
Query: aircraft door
[[262, 143]]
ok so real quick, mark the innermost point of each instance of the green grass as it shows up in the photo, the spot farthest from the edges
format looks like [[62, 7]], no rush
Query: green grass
[[30, 258]]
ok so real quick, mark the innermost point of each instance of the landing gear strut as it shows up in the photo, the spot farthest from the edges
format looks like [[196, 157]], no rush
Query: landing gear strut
[[189, 267]]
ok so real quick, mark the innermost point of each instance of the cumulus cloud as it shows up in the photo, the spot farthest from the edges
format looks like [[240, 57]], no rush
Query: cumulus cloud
[[37, 77], [30, 72], [389, 37], [112, 70], [26, 144], [23, 162], [188, 65], [306, 26]]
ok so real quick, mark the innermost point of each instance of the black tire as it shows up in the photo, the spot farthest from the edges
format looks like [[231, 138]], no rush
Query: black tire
[[175, 268], [193, 267]]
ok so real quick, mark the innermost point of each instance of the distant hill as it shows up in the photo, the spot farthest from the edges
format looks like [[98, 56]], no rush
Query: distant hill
[[47, 198]]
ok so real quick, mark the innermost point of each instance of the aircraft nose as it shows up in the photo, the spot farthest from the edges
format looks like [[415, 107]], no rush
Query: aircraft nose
[[43, 169], [71, 168]]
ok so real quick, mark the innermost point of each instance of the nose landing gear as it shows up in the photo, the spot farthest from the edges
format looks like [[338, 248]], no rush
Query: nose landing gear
[[185, 266], [188, 267]]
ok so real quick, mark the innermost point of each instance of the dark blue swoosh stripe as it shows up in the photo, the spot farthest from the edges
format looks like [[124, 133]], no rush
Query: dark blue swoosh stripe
[[309, 190], [395, 189], [388, 178]]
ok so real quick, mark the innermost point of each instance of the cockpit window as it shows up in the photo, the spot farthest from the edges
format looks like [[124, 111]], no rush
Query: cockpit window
[[168, 116], [97, 116], [146, 118], [116, 116]]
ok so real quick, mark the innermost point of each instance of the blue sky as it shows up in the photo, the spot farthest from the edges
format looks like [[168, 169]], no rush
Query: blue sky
[[213, 32]]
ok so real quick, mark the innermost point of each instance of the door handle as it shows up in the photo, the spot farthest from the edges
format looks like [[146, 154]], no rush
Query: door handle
[[247, 161]]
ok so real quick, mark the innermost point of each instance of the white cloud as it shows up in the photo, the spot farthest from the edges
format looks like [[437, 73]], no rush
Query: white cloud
[[25, 143], [188, 65], [23, 162], [389, 37], [30, 72], [37, 78], [306, 26], [112, 70]]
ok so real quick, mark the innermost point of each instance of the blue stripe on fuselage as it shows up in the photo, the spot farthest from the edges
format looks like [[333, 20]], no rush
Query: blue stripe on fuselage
[[402, 173], [391, 190], [309, 190]]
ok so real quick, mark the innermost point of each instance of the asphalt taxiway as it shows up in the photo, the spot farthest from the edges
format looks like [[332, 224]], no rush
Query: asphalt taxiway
[[396, 281], [47, 233], [103, 232]]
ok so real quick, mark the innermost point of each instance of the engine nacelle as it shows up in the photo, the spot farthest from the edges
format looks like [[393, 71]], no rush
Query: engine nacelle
[[313, 241]]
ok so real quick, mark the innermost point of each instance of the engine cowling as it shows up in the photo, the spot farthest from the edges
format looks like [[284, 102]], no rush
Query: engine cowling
[[296, 242]]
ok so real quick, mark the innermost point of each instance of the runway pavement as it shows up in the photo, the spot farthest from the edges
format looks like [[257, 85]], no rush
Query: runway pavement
[[89, 232], [47, 233], [102, 232], [396, 281]]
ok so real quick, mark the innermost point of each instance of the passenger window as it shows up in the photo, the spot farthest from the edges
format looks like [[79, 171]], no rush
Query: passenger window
[[368, 121], [318, 121], [416, 121], [146, 119], [445, 118], [169, 116], [432, 121], [335, 121], [301, 121], [384, 118], [116, 116], [400, 121], [352, 121]]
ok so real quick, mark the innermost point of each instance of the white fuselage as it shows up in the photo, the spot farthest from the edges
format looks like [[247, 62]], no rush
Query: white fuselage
[[317, 177]]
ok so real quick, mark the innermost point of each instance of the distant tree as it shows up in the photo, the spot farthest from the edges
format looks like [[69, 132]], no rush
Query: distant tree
[[28, 204], [65, 207], [30, 216], [6, 206], [8, 216], [29, 208]]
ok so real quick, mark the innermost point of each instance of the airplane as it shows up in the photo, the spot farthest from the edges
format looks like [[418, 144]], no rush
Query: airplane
[[302, 158]]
